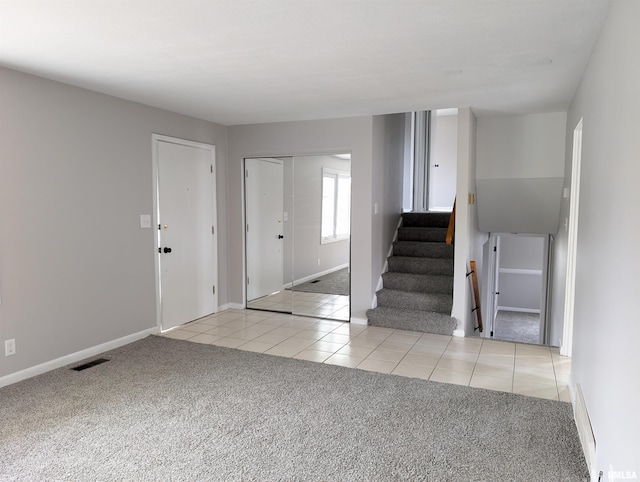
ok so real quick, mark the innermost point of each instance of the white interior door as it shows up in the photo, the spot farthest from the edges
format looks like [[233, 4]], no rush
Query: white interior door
[[443, 159], [264, 226], [186, 238]]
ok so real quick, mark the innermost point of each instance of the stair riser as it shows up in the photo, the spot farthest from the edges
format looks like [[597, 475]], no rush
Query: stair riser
[[433, 235], [423, 249], [436, 323], [418, 283], [436, 220], [421, 265], [415, 301]]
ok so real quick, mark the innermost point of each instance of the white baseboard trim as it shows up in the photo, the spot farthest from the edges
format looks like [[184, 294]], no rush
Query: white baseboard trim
[[74, 357], [234, 306], [359, 321], [317, 275], [519, 310], [458, 333]]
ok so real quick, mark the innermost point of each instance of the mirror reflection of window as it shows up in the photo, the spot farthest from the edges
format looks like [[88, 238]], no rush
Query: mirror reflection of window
[[336, 205]]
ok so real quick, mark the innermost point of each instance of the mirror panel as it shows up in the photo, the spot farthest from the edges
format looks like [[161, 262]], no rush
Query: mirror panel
[[268, 193], [297, 213], [321, 275]]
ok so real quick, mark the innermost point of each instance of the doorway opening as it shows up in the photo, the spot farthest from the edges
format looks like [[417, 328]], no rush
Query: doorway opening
[[434, 158], [518, 282]]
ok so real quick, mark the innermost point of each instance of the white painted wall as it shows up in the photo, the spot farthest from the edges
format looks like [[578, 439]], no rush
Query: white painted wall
[[519, 172], [307, 138], [606, 359], [75, 174], [468, 239]]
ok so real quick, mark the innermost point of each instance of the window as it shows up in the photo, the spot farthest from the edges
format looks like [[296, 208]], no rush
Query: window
[[336, 205]]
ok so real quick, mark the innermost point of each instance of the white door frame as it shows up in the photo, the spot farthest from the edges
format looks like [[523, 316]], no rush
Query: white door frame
[[566, 346], [155, 140]]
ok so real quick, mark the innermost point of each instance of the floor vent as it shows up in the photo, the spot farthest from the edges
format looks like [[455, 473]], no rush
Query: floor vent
[[585, 432], [90, 364]]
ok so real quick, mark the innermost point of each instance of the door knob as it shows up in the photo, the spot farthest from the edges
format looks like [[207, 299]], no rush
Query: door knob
[[280, 236], [167, 250]]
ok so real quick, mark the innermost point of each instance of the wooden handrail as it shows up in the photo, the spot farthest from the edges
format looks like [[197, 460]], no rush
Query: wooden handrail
[[452, 224], [476, 293]]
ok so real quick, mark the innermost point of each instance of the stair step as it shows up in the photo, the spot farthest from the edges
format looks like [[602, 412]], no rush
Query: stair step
[[436, 220], [413, 300], [425, 283], [438, 235], [423, 249], [401, 319], [409, 264]]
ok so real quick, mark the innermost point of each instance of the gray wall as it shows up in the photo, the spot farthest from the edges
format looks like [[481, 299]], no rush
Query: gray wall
[[521, 289], [75, 174], [606, 359], [307, 138], [520, 171], [388, 178]]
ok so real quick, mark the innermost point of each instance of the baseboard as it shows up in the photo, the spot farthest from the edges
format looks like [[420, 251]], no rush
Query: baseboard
[[234, 306], [317, 275], [359, 321], [458, 333], [519, 310], [74, 357], [583, 424]]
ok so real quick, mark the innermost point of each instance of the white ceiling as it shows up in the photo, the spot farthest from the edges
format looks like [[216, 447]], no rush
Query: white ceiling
[[252, 61]]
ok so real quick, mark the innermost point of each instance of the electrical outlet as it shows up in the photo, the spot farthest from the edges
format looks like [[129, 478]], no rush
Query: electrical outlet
[[10, 347]]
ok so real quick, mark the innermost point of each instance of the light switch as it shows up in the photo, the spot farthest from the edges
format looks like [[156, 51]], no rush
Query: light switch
[[145, 221]]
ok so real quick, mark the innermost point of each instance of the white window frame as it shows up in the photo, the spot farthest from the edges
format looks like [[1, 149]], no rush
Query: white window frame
[[337, 175]]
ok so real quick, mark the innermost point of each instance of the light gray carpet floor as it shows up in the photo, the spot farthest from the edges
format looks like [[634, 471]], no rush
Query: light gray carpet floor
[[517, 326], [164, 409], [336, 283]]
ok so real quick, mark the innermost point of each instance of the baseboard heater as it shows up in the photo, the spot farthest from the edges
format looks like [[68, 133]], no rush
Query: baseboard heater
[[585, 431]]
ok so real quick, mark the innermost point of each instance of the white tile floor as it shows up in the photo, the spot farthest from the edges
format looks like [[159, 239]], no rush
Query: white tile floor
[[531, 370], [320, 305]]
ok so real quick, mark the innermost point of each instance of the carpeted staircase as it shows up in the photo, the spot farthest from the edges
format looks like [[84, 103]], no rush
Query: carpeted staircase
[[417, 290]]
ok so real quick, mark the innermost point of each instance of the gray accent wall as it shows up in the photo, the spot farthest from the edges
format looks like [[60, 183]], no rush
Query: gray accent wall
[[606, 358], [76, 269], [519, 172]]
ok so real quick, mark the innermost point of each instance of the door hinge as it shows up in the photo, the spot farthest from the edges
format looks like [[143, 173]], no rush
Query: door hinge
[[495, 249], [246, 173], [213, 231], [214, 289], [247, 280], [247, 228], [211, 168]]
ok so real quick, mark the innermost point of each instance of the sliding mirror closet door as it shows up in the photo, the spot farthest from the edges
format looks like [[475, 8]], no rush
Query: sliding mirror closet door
[[321, 236], [268, 197]]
